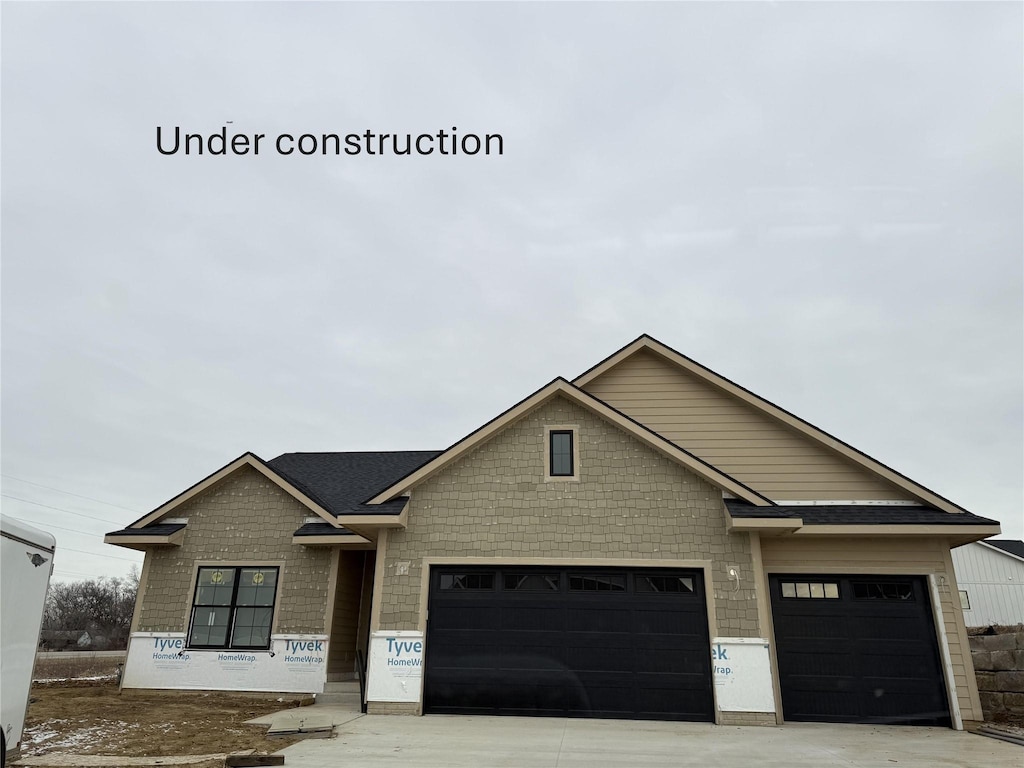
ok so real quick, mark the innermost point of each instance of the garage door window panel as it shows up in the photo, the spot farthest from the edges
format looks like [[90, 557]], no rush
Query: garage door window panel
[[883, 590], [664, 584], [598, 583], [531, 582], [467, 581]]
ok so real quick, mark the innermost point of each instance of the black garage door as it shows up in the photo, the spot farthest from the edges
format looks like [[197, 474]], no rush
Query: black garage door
[[568, 642], [858, 649]]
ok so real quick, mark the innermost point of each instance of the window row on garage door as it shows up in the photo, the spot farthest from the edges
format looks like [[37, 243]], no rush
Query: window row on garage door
[[634, 643]]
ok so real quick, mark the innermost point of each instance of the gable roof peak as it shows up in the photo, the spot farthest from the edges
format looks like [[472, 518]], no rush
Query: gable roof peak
[[565, 388], [770, 409]]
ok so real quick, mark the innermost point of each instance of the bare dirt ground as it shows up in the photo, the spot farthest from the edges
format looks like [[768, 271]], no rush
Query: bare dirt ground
[[91, 717]]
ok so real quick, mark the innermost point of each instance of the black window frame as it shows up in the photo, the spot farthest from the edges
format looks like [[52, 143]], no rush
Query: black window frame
[[232, 607], [551, 453]]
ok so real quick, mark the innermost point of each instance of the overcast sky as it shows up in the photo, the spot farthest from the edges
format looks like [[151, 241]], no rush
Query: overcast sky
[[821, 202]]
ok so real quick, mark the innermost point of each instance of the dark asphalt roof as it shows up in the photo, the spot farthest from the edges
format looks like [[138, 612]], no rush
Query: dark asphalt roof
[[343, 481], [160, 529], [322, 529], [1012, 546], [858, 514]]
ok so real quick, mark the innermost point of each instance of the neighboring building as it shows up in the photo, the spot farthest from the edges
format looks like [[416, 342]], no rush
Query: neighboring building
[[64, 640], [991, 578], [649, 540]]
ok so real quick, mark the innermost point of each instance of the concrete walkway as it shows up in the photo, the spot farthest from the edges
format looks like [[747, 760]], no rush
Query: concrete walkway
[[438, 741], [338, 704], [305, 719]]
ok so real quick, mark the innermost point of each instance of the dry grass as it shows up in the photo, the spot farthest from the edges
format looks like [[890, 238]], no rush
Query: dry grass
[[92, 717], [996, 629], [76, 667]]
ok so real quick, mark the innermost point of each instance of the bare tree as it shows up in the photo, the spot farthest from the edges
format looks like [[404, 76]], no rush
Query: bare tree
[[102, 607]]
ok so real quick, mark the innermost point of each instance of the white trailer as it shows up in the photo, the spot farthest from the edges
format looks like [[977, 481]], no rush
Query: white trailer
[[26, 562]]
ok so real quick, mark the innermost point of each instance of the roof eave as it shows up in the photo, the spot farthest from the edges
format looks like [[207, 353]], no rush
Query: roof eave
[[956, 533], [399, 520], [145, 541], [337, 541], [766, 526], [246, 459]]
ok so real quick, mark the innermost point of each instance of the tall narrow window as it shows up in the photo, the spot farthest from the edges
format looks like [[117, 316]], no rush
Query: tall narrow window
[[561, 453]]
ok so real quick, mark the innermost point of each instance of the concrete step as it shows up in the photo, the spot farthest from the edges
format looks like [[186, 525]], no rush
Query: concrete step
[[342, 686], [350, 703], [341, 694]]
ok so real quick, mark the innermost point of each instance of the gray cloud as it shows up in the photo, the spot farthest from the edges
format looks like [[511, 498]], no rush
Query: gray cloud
[[822, 202]]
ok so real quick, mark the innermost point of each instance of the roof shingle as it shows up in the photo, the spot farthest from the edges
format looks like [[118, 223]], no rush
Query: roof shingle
[[160, 529], [1012, 546], [858, 514], [343, 481]]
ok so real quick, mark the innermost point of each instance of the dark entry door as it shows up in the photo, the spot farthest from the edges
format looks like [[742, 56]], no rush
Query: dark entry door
[[858, 649], [568, 642]]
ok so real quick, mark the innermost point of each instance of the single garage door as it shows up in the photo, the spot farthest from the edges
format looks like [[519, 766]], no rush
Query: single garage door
[[568, 642], [858, 649]]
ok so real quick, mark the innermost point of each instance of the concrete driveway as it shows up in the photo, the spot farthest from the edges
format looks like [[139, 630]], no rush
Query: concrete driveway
[[518, 742]]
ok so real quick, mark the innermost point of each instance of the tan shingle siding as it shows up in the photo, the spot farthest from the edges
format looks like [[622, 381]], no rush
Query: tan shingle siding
[[341, 658], [244, 517], [630, 503]]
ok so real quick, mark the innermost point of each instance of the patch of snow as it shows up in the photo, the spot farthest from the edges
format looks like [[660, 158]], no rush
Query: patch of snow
[[43, 738], [69, 679]]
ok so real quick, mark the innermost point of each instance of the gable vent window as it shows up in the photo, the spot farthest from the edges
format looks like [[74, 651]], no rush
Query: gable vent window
[[561, 453]]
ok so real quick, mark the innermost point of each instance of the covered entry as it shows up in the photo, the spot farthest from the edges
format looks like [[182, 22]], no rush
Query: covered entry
[[858, 649], [578, 642]]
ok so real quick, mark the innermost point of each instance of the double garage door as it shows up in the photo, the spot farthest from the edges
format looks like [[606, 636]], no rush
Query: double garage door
[[568, 642]]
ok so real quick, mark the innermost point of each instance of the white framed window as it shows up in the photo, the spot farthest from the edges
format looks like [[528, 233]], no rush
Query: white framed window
[[965, 600]]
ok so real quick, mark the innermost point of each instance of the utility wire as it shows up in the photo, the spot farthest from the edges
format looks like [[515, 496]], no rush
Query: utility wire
[[74, 573], [96, 554], [69, 493], [49, 525], [58, 509]]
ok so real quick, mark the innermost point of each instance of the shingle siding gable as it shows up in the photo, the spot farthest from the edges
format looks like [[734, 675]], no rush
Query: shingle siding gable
[[630, 503]]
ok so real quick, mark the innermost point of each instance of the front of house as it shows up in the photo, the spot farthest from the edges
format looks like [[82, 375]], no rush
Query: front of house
[[648, 541]]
